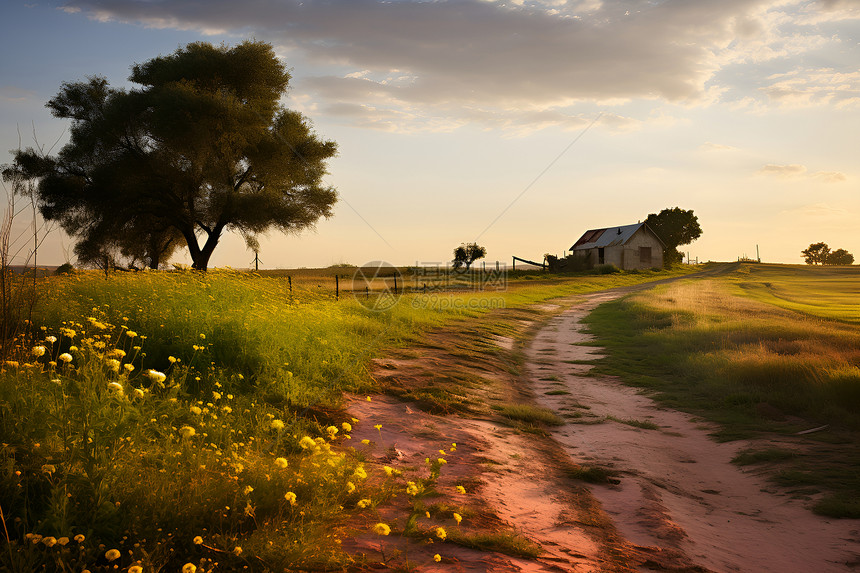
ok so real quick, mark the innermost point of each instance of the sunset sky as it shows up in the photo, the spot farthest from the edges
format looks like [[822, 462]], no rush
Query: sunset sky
[[518, 124]]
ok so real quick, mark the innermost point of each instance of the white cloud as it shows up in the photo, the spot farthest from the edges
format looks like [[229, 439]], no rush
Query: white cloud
[[794, 171], [462, 58], [710, 146]]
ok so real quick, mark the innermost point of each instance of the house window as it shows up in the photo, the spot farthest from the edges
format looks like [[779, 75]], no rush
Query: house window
[[601, 257], [645, 255]]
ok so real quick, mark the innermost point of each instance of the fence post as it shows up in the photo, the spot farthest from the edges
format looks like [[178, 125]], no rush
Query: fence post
[[290, 281], [395, 284], [336, 288]]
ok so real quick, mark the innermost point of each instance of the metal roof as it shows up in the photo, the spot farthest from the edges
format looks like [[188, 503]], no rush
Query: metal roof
[[608, 237]]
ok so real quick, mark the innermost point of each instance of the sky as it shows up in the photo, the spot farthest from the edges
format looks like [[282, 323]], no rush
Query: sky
[[517, 124]]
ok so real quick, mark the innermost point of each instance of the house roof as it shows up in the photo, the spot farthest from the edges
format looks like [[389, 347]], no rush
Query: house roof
[[608, 237]]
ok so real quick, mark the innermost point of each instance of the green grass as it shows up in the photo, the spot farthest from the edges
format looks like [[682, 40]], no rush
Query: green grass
[[641, 424], [529, 414], [764, 349], [505, 542], [138, 462], [752, 456]]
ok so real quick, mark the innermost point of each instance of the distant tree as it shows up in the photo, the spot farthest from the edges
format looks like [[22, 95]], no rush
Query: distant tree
[[816, 254], [675, 227], [468, 253], [201, 147], [840, 257]]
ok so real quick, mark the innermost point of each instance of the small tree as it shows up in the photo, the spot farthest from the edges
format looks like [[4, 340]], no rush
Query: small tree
[[816, 254], [468, 253], [675, 227], [840, 257]]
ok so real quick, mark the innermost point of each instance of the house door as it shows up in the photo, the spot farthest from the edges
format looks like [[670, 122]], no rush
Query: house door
[[601, 257], [645, 255]]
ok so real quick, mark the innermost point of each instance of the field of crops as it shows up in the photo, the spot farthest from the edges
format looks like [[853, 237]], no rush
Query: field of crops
[[179, 421]]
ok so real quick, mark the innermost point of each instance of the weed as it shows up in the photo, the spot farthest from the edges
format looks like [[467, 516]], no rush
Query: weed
[[529, 414]]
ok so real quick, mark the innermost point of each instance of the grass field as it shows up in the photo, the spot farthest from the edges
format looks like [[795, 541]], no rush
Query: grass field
[[766, 350], [156, 420]]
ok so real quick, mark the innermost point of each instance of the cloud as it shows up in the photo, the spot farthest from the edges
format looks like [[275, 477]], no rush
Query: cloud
[[709, 146], [519, 59], [808, 87], [786, 171], [14, 94], [794, 171]]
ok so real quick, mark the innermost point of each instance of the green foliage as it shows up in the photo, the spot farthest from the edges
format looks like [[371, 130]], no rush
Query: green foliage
[[65, 269], [468, 253], [816, 254], [529, 414], [840, 257], [202, 147], [675, 227]]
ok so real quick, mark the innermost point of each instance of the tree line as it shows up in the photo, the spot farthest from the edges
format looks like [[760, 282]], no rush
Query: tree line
[[820, 254]]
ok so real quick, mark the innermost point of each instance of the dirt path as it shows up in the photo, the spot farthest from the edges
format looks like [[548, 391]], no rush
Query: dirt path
[[680, 506], [678, 489]]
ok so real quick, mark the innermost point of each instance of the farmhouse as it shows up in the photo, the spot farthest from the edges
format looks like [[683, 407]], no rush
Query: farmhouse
[[627, 247]]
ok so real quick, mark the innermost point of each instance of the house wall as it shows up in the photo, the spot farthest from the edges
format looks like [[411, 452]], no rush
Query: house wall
[[627, 256]]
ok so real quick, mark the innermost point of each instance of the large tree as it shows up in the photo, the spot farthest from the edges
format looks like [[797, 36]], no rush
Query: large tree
[[816, 254], [675, 227], [840, 257], [468, 253], [201, 147]]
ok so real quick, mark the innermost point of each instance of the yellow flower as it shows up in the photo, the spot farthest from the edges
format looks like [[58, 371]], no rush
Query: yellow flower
[[388, 470], [196, 410], [187, 431], [128, 366], [202, 336], [331, 432], [189, 568], [49, 541], [360, 473], [113, 364], [368, 399], [441, 533], [112, 554], [79, 538], [63, 541], [130, 333], [116, 387], [198, 540], [135, 569], [50, 339], [460, 489], [381, 529], [65, 357], [156, 376], [14, 363], [290, 497], [378, 426], [411, 488], [347, 427], [437, 558], [458, 518], [277, 425], [138, 393], [73, 348], [362, 503], [236, 550], [365, 442], [171, 359], [281, 462], [248, 489], [442, 461], [39, 350], [350, 487]]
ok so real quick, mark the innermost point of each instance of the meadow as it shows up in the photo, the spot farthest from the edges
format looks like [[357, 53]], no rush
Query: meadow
[[179, 421], [766, 351]]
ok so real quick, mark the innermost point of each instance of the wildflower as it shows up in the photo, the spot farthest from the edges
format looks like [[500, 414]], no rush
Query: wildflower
[[39, 351], [198, 540], [331, 430], [112, 554], [68, 332], [65, 357], [196, 410], [347, 427], [118, 352], [171, 359], [128, 366], [116, 387], [365, 442], [362, 503], [189, 568], [378, 427], [49, 468], [13, 363], [441, 533], [350, 487], [236, 550], [277, 425], [381, 529], [248, 489], [113, 364], [130, 333], [138, 393], [73, 348], [458, 518], [50, 339], [63, 541], [437, 558], [368, 399], [290, 497], [388, 470], [360, 473], [216, 395], [156, 376], [307, 443], [460, 489], [411, 488], [226, 409], [187, 431], [442, 461], [79, 538], [281, 462], [49, 541], [135, 569]]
